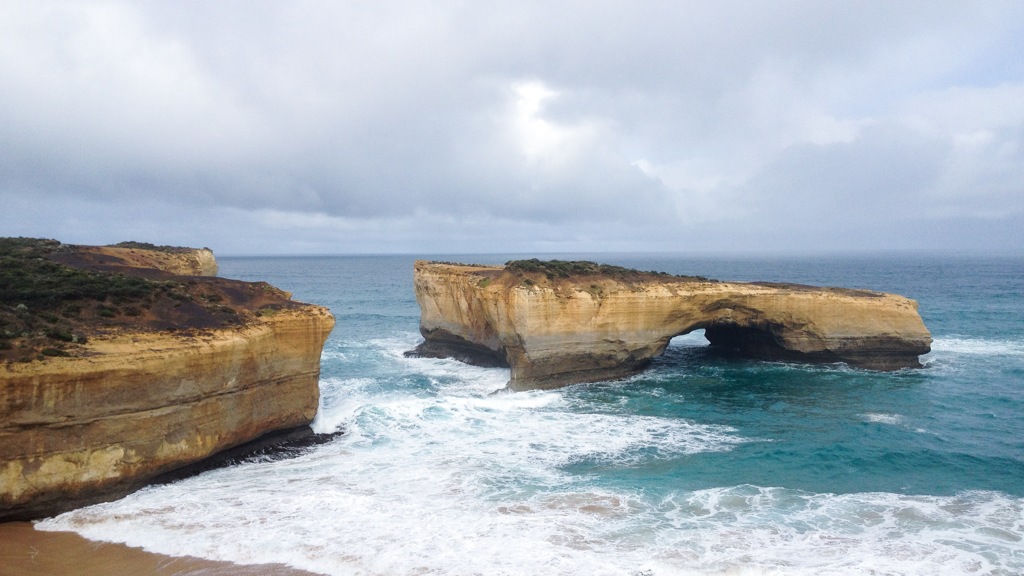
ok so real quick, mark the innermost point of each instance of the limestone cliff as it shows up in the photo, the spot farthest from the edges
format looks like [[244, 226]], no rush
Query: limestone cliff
[[177, 375], [598, 323]]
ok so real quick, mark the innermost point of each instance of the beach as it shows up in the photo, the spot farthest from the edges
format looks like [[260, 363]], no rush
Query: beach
[[25, 551]]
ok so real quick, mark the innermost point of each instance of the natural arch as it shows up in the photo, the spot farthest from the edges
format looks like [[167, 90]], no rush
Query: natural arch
[[554, 330]]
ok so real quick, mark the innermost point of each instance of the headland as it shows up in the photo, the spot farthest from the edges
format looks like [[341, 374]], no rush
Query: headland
[[119, 364]]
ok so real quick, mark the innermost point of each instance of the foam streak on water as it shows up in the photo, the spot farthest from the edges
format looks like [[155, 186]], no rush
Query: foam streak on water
[[978, 346], [702, 465]]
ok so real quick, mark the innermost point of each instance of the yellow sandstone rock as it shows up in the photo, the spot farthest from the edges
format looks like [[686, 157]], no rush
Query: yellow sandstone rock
[[138, 403], [554, 330]]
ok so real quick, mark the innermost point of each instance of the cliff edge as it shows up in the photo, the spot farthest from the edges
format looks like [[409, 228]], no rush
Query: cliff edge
[[115, 368], [557, 323]]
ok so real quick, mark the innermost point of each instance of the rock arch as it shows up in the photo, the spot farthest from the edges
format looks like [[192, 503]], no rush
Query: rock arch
[[553, 330]]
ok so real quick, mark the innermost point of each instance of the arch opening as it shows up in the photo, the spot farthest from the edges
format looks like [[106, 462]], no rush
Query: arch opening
[[693, 339]]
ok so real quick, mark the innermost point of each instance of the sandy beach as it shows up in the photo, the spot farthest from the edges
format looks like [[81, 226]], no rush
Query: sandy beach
[[25, 551]]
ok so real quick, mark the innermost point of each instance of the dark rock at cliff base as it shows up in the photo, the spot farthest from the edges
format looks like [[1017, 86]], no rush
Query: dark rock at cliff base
[[437, 345], [278, 445]]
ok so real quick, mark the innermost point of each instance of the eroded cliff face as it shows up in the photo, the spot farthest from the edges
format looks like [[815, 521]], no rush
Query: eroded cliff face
[[558, 331], [133, 402]]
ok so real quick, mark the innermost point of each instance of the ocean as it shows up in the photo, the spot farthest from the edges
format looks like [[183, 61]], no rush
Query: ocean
[[703, 464]]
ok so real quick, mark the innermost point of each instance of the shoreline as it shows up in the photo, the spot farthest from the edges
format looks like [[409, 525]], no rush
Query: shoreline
[[25, 551]]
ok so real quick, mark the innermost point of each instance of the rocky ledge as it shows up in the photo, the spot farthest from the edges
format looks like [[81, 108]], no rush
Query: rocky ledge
[[557, 323], [116, 369]]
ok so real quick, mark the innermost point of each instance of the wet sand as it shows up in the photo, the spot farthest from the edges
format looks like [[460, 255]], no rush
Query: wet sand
[[25, 551]]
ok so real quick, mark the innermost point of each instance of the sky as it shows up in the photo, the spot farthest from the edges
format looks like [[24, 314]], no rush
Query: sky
[[530, 127]]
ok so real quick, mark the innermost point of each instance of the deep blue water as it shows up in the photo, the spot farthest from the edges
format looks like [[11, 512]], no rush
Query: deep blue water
[[703, 464]]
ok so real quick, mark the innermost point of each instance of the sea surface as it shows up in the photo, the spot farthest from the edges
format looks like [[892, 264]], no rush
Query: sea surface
[[703, 464]]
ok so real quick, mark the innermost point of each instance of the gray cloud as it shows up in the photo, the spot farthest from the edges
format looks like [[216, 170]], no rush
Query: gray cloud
[[317, 126]]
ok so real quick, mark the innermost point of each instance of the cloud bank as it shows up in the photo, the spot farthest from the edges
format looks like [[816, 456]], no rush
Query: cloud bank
[[321, 127]]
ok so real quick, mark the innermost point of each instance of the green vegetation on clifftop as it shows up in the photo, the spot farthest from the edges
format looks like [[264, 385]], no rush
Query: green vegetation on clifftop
[[570, 268], [48, 308], [29, 277], [153, 247]]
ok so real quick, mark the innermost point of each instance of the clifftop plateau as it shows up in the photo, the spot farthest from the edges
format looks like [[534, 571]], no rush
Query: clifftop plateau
[[174, 260], [557, 323], [119, 364]]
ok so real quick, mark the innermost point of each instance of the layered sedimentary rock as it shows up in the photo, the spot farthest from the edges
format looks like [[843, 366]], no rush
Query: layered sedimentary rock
[[554, 329], [131, 402]]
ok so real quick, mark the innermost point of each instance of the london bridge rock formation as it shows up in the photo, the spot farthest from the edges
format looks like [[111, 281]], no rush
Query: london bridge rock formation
[[119, 364], [557, 323]]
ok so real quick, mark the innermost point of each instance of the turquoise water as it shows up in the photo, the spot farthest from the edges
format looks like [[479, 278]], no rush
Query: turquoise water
[[703, 464]]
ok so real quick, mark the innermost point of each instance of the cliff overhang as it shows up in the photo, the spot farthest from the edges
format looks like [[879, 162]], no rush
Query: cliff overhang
[[558, 323]]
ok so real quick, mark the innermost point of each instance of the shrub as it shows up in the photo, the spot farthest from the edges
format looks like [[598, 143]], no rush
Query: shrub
[[57, 334]]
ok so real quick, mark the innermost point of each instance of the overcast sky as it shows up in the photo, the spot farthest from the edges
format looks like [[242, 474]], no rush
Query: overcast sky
[[452, 127]]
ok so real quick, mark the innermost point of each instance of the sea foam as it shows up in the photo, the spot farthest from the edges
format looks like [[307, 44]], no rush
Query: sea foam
[[418, 522], [978, 346]]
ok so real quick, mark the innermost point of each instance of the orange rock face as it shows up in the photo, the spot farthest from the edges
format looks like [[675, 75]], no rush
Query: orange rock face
[[558, 331]]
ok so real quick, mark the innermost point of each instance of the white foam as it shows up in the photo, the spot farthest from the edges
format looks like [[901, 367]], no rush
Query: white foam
[[415, 521], [878, 418], [449, 480], [340, 400], [871, 533], [978, 346], [329, 355]]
